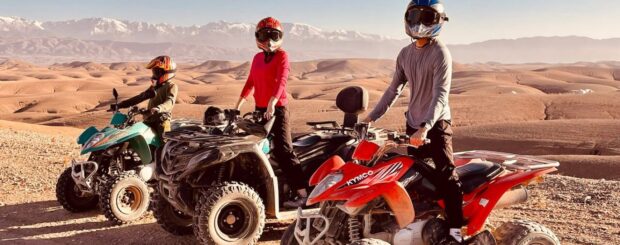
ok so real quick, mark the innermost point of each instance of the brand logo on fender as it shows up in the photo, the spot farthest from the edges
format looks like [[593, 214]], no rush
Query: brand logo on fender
[[359, 178]]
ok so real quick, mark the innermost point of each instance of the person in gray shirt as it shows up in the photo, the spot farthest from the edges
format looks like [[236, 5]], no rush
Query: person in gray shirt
[[426, 65]]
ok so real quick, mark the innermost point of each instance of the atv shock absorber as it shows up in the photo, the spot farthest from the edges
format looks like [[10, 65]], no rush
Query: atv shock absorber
[[354, 229], [220, 174]]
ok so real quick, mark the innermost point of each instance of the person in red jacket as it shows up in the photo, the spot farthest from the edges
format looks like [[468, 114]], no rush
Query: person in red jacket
[[268, 77]]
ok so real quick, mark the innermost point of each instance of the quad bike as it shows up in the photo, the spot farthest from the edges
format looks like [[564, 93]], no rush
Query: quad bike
[[115, 173], [223, 186], [385, 198]]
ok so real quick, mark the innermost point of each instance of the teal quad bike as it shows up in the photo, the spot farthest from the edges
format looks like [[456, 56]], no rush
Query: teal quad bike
[[115, 174]]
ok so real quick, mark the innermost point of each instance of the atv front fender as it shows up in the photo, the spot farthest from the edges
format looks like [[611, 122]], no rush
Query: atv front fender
[[140, 146], [209, 159], [85, 136]]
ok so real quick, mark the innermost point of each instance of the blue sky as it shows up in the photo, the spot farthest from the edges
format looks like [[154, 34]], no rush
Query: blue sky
[[471, 20]]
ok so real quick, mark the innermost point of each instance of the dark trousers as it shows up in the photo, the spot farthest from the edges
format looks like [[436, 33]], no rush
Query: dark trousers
[[445, 178], [283, 148]]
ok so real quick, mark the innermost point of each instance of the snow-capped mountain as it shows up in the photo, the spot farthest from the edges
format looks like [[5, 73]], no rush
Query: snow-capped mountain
[[20, 26], [132, 31], [105, 39]]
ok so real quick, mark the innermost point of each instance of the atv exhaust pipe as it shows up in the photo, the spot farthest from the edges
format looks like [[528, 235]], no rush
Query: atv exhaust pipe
[[512, 197]]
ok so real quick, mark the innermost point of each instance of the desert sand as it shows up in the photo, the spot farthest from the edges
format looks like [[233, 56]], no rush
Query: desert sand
[[567, 112]]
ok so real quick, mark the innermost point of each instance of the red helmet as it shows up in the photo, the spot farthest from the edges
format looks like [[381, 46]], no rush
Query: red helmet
[[269, 34], [163, 68]]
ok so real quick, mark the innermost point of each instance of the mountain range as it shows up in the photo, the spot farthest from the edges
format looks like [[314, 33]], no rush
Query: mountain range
[[105, 39]]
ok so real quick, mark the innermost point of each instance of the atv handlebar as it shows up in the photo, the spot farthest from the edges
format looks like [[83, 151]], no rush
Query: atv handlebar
[[404, 139]]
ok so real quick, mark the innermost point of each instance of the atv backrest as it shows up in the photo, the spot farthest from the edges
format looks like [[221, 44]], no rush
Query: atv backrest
[[352, 101]]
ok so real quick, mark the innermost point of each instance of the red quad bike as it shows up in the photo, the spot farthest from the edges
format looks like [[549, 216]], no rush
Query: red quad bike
[[381, 197]]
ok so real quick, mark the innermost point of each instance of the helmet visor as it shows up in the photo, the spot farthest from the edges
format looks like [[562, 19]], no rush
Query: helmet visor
[[157, 73], [266, 34], [422, 15]]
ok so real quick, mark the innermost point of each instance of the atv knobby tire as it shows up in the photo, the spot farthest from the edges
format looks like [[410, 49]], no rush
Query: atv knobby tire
[[370, 241], [524, 233], [68, 195], [125, 198], [229, 213], [170, 219]]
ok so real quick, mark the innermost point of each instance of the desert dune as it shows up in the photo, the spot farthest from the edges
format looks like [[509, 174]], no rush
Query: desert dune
[[567, 112]]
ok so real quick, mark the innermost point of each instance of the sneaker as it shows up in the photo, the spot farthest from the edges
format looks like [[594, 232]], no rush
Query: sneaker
[[455, 233], [453, 238], [297, 203]]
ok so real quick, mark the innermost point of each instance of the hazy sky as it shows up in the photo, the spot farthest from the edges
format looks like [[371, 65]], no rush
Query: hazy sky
[[471, 20]]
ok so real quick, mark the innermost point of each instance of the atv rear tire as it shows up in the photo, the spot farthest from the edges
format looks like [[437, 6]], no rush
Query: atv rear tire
[[70, 197], [125, 198], [524, 233], [370, 241], [170, 219], [229, 213]]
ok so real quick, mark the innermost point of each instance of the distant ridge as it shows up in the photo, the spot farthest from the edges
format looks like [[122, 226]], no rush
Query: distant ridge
[[112, 40]]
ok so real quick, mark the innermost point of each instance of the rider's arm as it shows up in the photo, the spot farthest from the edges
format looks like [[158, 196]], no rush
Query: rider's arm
[[137, 99], [282, 72], [442, 79], [170, 99], [240, 103], [391, 94], [247, 89]]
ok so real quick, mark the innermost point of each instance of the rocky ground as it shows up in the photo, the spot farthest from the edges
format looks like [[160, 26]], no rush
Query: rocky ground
[[579, 211]]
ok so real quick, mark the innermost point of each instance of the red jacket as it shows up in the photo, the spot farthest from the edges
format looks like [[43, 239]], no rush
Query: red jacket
[[268, 79]]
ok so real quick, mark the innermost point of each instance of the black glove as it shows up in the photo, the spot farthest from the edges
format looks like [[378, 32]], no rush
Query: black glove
[[113, 107]]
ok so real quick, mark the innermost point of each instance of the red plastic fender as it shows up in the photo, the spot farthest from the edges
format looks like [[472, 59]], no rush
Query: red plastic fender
[[394, 194], [330, 165]]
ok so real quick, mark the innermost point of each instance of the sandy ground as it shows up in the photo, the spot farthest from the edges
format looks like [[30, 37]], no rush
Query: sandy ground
[[580, 211], [564, 112]]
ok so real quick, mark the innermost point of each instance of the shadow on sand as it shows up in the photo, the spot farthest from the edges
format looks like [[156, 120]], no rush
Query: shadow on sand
[[46, 222]]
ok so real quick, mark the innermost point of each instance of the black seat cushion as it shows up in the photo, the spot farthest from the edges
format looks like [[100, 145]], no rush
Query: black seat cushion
[[352, 101], [306, 140], [473, 175]]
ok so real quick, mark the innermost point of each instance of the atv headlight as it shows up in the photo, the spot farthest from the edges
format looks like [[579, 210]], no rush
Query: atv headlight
[[93, 140], [326, 183]]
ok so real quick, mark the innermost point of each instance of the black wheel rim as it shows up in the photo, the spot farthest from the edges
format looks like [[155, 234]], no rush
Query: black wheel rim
[[234, 220]]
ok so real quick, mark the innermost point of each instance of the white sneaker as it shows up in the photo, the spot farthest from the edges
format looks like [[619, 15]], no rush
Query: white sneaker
[[455, 233]]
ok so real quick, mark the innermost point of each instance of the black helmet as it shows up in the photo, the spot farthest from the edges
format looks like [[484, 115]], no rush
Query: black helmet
[[214, 117]]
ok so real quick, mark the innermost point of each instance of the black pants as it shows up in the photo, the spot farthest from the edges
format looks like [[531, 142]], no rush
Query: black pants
[[283, 148], [445, 178]]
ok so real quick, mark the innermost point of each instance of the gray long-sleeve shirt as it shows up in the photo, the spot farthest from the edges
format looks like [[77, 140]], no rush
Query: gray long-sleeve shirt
[[429, 73]]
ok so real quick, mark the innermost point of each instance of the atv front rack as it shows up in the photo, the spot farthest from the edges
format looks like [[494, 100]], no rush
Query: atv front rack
[[508, 160]]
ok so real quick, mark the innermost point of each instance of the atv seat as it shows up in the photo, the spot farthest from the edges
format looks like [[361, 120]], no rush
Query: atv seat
[[475, 174], [353, 101], [306, 140]]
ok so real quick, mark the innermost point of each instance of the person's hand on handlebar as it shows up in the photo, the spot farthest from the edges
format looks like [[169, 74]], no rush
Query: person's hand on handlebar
[[154, 110], [271, 108], [368, 120], [419, 137]]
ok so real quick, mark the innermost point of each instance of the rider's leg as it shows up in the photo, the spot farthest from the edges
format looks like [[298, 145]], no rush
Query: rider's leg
[[446, 179], [283, 152]]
